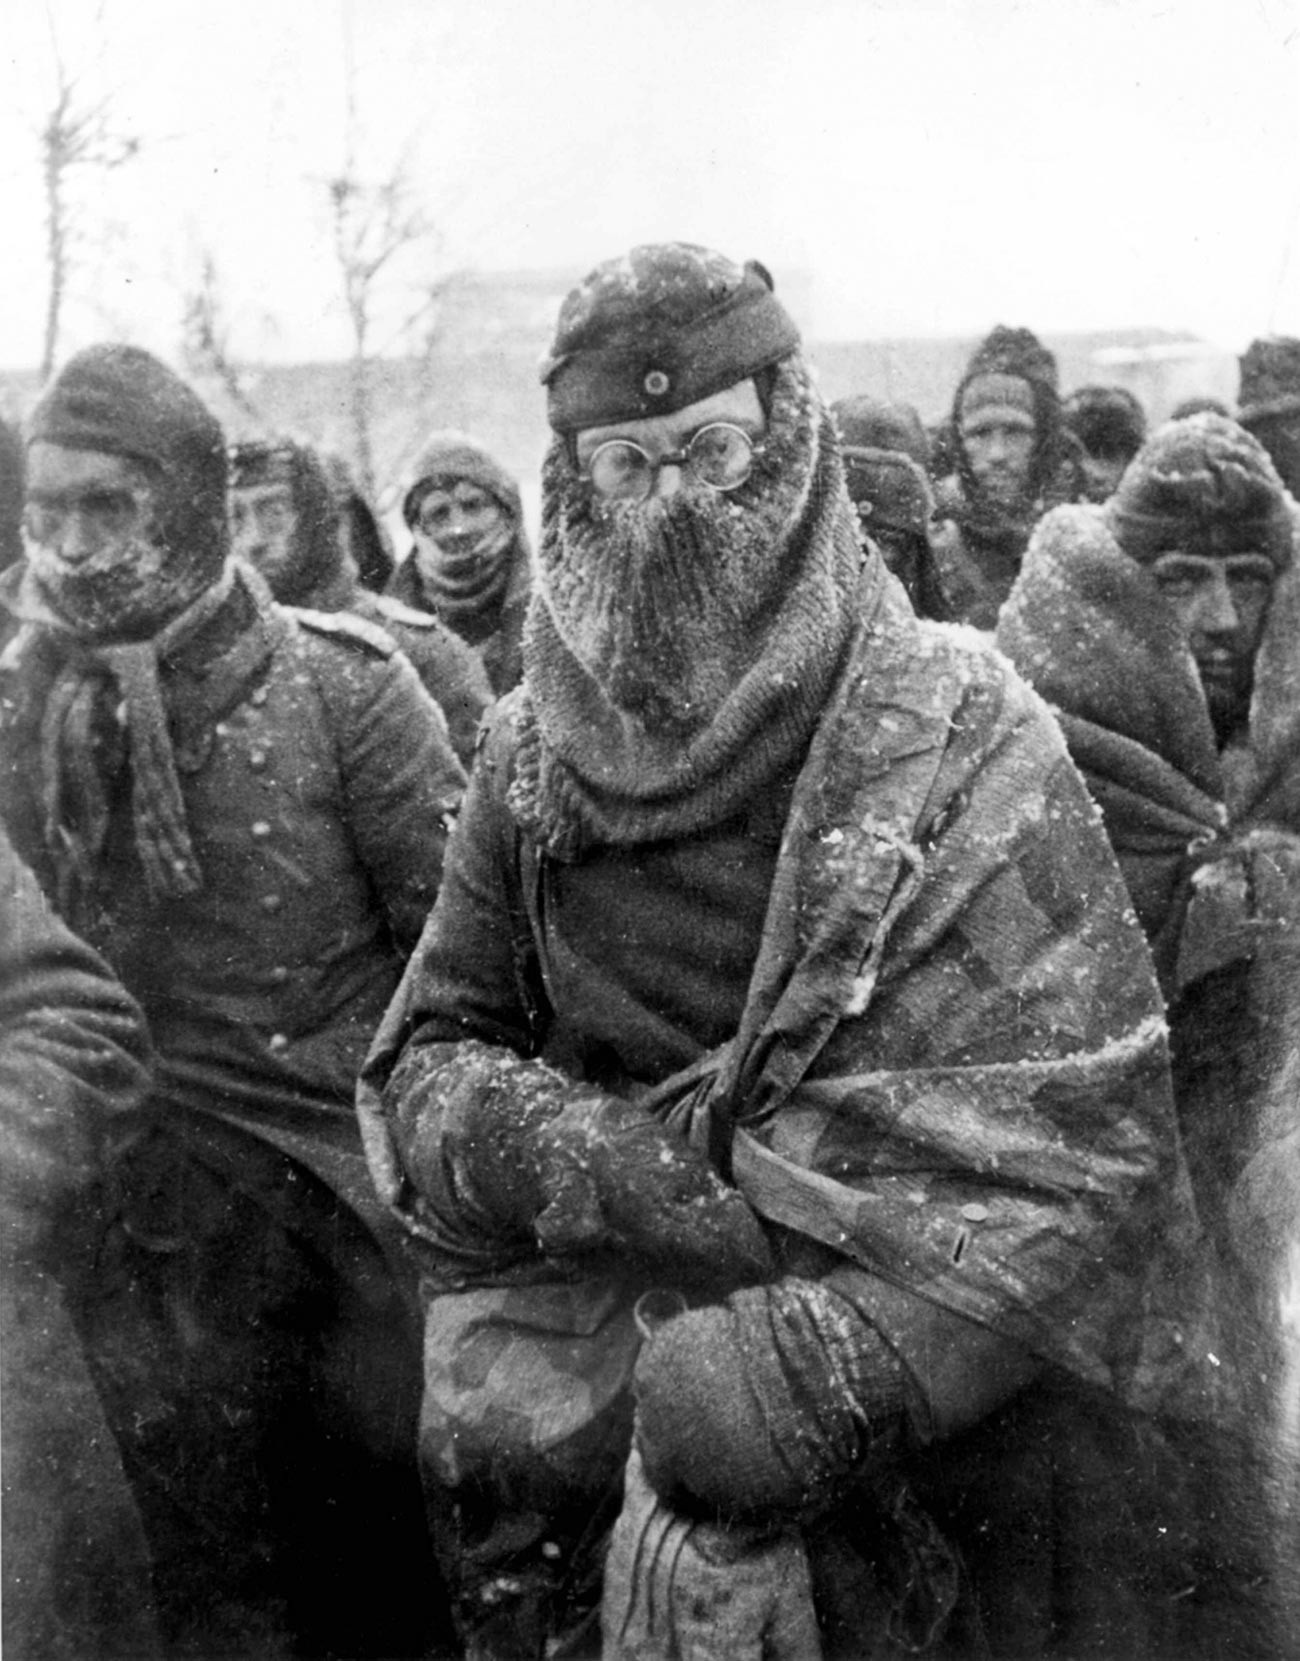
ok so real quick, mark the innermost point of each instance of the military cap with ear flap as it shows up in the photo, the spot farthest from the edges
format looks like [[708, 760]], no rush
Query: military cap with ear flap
[[660, 328]]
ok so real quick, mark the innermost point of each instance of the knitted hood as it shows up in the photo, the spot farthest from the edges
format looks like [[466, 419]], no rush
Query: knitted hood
[[448, 456], [1016, 352]]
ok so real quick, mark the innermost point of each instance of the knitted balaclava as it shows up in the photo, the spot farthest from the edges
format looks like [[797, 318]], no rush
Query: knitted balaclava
[[1202, 486], [466, 582], [121, 401], [678, 650], [1012, 368], [316, 557], [1269, 402]]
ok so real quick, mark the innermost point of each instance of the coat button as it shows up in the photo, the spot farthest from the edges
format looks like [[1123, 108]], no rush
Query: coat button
[[261, 828]]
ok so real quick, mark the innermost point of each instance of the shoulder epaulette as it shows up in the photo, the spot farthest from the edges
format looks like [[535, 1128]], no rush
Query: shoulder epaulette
[[344, 626]]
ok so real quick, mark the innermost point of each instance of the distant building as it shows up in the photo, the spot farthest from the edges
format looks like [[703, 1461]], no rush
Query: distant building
[[492, 328]]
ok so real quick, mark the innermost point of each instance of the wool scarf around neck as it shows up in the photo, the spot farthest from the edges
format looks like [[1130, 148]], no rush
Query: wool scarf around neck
[[677, 656], [75, 797], [467, 590]]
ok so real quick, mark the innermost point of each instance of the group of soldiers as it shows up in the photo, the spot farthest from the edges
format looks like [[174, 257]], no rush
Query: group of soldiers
[[727, 1089]]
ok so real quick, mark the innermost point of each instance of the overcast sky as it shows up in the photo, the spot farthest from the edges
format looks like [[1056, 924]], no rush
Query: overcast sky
[[931, 166]]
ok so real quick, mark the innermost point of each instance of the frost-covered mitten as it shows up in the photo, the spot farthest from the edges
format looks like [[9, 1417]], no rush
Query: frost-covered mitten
[[767, 1404], [508, 1148]]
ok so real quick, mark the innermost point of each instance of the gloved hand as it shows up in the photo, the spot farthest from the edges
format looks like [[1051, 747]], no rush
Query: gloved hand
[[766, 1404], [511, 1148], [677, 1590]]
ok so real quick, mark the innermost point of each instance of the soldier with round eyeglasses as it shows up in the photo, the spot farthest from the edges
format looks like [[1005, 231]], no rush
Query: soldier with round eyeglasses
[[777, 1099]]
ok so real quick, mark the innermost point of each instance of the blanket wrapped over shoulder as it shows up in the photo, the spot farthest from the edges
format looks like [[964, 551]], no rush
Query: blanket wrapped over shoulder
[[1090, 630]]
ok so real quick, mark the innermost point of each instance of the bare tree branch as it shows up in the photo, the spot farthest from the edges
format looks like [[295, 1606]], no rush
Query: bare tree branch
[[76, 134], [205, 338], [372, 224]]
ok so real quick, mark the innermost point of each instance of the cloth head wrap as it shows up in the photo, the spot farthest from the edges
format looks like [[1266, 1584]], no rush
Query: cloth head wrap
[[660, 328], [445, 459], [121, 401], [1205, 486]]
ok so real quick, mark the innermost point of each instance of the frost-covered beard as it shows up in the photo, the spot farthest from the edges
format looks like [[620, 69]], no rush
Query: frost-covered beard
[[124, 591], [665, 603]]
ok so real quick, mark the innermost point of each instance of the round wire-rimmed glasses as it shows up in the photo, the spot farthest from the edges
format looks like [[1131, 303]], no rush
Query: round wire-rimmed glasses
[[719, 456]]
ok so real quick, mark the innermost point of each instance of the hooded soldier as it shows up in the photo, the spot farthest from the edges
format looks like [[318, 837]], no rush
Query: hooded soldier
[[1269, 403], [288, 520], [780, 1073], [469, 561], [244, 808], [1110, 425], [1011, 466], [886, 465]]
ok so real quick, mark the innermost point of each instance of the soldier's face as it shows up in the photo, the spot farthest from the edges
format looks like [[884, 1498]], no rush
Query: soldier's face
[[1222, 605], [264, 528], [90, 530], [999, 445], [457, 520]]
